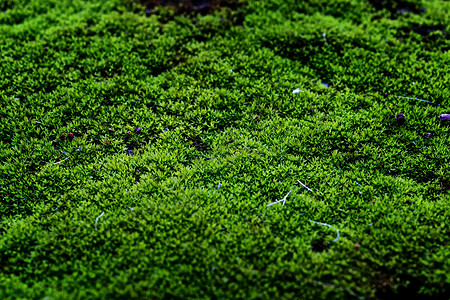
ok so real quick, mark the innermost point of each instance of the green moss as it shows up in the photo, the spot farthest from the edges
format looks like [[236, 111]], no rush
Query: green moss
[[222, 136]]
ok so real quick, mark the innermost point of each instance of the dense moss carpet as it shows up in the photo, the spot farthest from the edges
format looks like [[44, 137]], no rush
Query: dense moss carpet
[[145, 148]]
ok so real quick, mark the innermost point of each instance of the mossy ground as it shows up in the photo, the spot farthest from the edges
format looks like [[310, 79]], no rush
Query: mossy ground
[[222, 135]]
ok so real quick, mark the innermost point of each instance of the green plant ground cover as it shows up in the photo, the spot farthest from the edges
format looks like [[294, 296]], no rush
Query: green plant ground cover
[[142, 144]]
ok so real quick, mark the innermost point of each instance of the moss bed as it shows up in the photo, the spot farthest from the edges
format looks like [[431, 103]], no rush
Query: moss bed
[[143, 143]]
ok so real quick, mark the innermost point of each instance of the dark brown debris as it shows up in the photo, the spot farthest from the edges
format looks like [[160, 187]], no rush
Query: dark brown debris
[[190, 6]]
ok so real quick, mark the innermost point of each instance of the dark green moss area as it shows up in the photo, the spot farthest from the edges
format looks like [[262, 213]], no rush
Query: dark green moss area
[[141, 142]]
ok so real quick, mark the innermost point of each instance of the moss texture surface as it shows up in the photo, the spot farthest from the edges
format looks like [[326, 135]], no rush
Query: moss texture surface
[[141, 144]]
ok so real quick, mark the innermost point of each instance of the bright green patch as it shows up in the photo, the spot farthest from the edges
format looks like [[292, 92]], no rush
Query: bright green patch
[[223, 136]]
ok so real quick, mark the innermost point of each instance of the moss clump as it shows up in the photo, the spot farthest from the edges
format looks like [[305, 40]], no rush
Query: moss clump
[[140, 149]]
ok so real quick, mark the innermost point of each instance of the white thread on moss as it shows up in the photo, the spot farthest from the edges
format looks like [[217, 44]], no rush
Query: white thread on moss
[[418, 100], [328, 225], [96, 219]]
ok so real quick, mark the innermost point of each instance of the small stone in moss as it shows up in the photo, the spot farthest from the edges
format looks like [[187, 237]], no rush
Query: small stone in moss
[[444, 118]]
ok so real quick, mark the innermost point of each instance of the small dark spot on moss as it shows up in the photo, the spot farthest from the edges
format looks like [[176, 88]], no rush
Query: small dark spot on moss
[[319, 246], [400, 118]]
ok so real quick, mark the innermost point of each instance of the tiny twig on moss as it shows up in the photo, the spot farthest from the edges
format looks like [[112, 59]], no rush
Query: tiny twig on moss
[[391, 109], [282, 200], [306, 187]]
